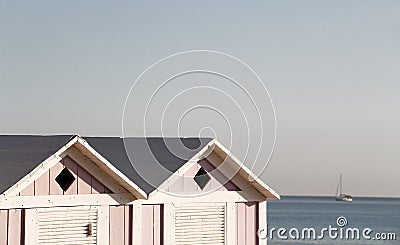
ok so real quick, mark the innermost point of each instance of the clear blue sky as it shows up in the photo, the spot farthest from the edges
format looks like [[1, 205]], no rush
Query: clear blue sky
[[332, 68]]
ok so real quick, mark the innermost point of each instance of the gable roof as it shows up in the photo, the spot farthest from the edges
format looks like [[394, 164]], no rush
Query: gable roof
[[21, 154]]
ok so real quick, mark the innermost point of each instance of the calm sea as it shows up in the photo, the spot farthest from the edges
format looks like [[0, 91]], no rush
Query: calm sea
[[381, 215]]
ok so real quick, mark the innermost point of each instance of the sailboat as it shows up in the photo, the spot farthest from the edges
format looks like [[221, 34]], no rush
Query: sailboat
[[341, 196]]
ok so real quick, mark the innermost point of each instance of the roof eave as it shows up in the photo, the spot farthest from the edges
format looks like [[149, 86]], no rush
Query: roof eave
[[243, 171]]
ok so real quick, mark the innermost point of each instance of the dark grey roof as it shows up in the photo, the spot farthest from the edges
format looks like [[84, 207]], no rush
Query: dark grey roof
[[20, 154], [148, 162]]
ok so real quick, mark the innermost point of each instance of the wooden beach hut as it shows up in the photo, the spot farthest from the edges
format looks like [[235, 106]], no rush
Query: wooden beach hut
[[89, 190]]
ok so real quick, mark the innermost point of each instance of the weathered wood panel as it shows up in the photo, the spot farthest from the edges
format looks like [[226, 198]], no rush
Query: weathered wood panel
[[84, 183], [120, 225], [157, 224], [3, 227], [42, 185], [240, 223], [55, 188], [251, 223], [29, 190], [152, 224], [246, 223], [148, 224], [14, 226], [128, 224]]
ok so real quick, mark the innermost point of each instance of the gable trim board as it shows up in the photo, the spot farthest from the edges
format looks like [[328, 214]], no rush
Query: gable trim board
[[65, 200], [125, 182], [243, 171]]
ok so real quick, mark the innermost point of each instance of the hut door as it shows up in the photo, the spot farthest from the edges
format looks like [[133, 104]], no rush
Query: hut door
[[200, 224], [67, 225]]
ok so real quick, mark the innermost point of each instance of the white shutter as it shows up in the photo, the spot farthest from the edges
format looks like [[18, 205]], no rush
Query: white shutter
[[200, 224], [67, 225]]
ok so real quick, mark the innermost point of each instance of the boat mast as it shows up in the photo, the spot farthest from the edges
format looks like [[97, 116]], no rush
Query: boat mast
[[339, 186]]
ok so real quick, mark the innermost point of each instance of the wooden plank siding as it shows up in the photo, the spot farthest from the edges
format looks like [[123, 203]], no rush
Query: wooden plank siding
[[152, 224], [3, 227], [246, 223], [12, 227], [120, 223], [218, 181], [84, 182]]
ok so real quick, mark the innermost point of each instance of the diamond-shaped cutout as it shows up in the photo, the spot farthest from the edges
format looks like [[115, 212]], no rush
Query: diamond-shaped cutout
[[202, 178], [65, 179]]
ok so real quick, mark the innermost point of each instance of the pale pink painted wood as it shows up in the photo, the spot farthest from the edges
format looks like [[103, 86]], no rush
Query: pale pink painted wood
[[178, 185], [246, 223], [152, 224], [117, 225], [128, 224], [217, 182], [157, 224], [189, 185], [240, 224], [73, 168], [161, 220], [29, 190], [3, 227], [55, 188], [147, 224], [42, 185], [14, 227], [84, 181], [251, 223]]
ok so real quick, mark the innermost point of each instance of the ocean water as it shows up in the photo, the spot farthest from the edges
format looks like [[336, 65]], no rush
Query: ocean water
[[381, 215]]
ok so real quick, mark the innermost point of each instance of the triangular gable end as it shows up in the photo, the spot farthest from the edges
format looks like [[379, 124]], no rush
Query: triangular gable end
[[222, 163], [66, 177]]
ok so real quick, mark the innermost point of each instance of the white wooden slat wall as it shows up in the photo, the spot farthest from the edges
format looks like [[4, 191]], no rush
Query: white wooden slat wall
[[67, 225], [200, 224]]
